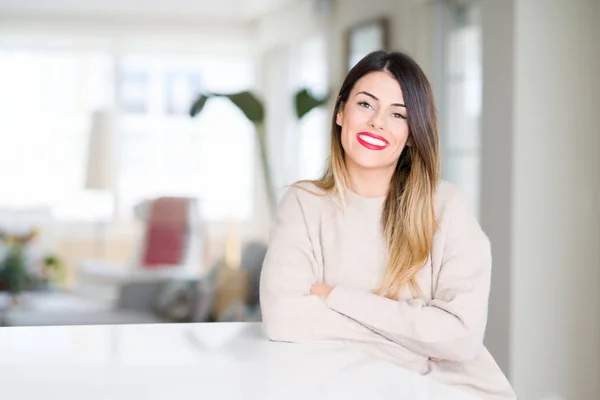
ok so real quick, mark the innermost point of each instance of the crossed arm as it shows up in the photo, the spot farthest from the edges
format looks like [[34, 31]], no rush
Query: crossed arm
[[297, 308], [290, 313]]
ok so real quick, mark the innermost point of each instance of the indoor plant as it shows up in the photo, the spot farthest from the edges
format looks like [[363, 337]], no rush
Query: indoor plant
[[254, 110], [13, 269]]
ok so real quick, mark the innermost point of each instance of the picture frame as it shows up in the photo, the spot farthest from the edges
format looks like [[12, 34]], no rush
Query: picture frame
[[365, 37]]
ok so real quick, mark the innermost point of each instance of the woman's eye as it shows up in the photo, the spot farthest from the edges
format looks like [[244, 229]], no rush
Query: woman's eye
[[396, 115], [364, 104]]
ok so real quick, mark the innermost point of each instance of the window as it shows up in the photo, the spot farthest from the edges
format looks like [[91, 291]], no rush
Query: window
[[313, 135], [46, 101], [164, 152], [462, 98]]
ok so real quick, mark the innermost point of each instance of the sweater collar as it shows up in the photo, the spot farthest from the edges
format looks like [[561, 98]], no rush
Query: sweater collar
[[357, 201]]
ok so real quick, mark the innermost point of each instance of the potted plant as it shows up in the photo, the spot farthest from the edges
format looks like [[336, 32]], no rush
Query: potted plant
[[13, 270]]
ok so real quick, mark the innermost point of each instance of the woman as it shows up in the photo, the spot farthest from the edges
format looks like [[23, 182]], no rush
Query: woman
[[380, 252]]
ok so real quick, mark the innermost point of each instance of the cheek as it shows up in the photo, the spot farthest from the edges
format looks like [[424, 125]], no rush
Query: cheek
[[400, 133], [400, 138], [355, 118], [346, 137], [351, 124]]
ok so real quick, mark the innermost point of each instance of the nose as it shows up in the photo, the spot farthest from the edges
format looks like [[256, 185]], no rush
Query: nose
[[376, 122]]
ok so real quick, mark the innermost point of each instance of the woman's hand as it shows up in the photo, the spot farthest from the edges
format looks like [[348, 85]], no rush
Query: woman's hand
[[321, 290]]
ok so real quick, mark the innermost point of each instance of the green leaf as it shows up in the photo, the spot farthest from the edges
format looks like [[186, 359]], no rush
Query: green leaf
[[250, 106], [198, 105], [305, 102]]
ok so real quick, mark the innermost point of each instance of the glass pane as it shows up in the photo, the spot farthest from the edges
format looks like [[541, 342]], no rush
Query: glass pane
[[464, 171], [45, 112], [165, 152], [463, 127], [460, 131], [314, 144], [226, 146], [313, 129]]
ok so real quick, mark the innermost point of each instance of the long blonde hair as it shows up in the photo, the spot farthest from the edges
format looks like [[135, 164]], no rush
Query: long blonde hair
[[408, 220]]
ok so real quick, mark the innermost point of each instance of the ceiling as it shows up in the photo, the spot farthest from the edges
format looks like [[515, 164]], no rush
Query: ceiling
[[213, 10]]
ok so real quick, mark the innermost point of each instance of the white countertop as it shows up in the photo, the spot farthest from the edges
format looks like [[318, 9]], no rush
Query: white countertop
[[201, 361]]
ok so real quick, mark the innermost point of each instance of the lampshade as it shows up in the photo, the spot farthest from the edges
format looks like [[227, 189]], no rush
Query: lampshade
[[102, 155]]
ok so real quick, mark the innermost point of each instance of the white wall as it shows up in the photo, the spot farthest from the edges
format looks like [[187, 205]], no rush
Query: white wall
[[556, 262], [545, 156], [411, 29]]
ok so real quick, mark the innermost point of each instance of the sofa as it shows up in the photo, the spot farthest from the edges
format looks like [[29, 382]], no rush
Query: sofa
[[147, 301]]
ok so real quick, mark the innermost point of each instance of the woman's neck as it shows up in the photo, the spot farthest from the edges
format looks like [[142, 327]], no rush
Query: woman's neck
[[369, 182]]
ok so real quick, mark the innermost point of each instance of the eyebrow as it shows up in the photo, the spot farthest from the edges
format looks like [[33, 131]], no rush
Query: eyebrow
[[375, 98]]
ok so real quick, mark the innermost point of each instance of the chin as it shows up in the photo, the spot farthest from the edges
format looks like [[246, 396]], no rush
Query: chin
[[369, 163]]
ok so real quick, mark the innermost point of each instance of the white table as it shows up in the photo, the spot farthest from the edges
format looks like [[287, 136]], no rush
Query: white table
[[194, 361]]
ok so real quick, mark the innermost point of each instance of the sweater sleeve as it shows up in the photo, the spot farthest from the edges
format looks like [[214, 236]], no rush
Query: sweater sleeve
[[452, 325], [289, 312]]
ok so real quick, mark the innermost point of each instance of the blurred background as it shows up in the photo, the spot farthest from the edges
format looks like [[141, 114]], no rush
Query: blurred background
[[124, 199]]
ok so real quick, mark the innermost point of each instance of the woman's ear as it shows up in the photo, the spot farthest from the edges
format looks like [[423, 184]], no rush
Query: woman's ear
[[339, 117], [410, 142]]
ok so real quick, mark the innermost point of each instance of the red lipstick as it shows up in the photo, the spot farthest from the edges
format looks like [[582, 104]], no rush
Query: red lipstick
[[372, 141]]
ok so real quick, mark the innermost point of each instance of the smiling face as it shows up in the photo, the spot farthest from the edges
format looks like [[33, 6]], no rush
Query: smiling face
[[374, 129]]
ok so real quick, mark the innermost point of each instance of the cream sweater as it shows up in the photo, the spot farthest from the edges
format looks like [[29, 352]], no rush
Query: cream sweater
[[316, 240]]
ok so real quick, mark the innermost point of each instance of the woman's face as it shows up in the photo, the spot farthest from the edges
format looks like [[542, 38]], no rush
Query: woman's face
[[374, 128]]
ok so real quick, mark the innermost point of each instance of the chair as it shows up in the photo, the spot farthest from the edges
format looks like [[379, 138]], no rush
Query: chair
[[170, 247]]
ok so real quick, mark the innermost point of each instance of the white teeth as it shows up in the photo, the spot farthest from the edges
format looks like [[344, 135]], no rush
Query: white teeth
[[372, 140]]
